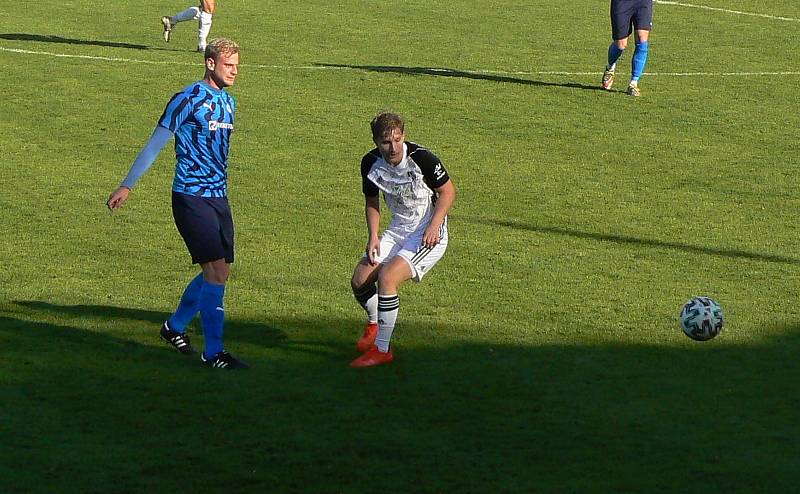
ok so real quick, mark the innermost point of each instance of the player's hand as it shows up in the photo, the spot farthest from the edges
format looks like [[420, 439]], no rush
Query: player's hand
[[431, 236], [373, 251], [117, 198]]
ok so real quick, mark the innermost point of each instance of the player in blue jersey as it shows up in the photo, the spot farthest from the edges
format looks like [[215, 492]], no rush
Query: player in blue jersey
[[418, 192], [628, 16], [203, 14], [200, 117]]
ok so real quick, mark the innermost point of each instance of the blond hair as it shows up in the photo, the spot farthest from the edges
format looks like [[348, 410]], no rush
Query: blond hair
[[221, 46]]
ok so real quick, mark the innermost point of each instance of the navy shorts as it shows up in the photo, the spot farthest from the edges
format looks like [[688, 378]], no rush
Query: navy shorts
[[206, 225], [627, 15]]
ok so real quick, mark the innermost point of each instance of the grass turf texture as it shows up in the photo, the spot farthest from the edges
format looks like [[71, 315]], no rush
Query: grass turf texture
[[543, 354]]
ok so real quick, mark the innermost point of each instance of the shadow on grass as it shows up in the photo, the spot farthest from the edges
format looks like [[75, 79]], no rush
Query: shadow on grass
[[444, 72], [264, 334], [625, 239], [88, 408], [49, 38]]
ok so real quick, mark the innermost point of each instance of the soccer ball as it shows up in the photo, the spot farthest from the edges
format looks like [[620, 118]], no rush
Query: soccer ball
[[701, 318]]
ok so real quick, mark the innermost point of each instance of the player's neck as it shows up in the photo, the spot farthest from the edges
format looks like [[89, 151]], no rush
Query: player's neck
[[211, 83]]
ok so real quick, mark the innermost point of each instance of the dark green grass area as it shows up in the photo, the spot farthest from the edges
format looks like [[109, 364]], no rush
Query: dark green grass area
[[110, 413], [543, 354]]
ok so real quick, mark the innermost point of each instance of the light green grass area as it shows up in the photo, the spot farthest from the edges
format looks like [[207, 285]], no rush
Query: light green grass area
[[543, 354]]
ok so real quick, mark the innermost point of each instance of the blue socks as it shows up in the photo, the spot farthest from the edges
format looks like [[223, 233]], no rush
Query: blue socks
[[614, 53], [187, 308], [212, 316], [207, 298], [639, 61]]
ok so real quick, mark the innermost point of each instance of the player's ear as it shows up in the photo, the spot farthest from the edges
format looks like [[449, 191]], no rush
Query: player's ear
[[210, 64]]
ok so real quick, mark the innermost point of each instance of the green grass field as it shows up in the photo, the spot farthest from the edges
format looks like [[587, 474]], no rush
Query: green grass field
[[543, 354]]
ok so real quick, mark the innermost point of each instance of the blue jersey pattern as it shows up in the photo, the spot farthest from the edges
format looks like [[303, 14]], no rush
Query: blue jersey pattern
[[201, 118]]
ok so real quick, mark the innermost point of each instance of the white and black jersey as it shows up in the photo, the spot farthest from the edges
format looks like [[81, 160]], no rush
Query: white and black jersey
[[409, 188]]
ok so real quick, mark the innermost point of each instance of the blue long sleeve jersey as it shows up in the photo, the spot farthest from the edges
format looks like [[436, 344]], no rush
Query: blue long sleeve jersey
[[201, 119]]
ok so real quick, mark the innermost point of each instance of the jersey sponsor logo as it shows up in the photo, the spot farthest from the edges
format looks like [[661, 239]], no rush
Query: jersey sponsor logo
[[213, 125], [438, 172]]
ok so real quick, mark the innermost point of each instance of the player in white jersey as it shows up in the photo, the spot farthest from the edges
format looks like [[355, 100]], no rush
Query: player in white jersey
[[419, 193], [202, 14]]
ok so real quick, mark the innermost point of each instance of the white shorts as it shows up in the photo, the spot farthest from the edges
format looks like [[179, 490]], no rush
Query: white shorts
[[420, 258]]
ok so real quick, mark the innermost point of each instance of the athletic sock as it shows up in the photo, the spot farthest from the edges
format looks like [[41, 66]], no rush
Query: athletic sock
[[188, 306], [187, 15], [639, 61], [388, 306], [368, 299], [614, 53], [212, 315], [203, 29]]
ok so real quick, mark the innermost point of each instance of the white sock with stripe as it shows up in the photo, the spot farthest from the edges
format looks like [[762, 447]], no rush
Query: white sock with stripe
[[388, 306]]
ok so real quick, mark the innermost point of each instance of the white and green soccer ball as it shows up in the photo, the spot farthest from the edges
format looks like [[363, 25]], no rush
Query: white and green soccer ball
[[701, 318]]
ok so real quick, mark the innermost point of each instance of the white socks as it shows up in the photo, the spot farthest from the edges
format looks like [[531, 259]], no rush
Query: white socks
[[204, 29], [388, 306]]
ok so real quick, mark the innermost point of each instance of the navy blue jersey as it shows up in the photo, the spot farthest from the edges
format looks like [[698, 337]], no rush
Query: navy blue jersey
[[201, 118]]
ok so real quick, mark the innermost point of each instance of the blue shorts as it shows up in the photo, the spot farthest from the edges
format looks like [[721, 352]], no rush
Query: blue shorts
[[206, 225], [627, 15]]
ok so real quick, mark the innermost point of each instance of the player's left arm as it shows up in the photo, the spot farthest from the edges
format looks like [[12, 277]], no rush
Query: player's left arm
[[446, 197]]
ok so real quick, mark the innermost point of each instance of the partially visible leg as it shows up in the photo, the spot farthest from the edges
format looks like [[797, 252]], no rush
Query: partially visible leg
[[395, 273], [211, 304], [173, 330], [642, 23], [639, 59], [191, 13], [615, 50], [390, 277], [620, 31], [207, 8], [188, 305], [365, 290]]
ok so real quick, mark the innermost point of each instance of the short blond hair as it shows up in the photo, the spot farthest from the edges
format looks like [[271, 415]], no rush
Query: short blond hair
[[221, 46], [386, 121]]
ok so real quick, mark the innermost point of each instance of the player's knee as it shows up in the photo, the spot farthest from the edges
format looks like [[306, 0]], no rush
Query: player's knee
[[388, 283], [361, 278], [622, 43], [356, 284]]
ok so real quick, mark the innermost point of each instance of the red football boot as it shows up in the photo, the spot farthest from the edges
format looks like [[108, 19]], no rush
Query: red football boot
[[373, 357], [368, 338]]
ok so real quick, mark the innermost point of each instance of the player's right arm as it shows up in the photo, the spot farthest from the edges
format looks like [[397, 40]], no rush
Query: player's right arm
[[372, 206], [177, 111], [372, 209], [145, 159]]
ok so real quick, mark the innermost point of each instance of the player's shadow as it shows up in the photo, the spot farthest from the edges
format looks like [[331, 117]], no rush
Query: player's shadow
[[445, 72], [48, 38], [257, 333], [626, 239]]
